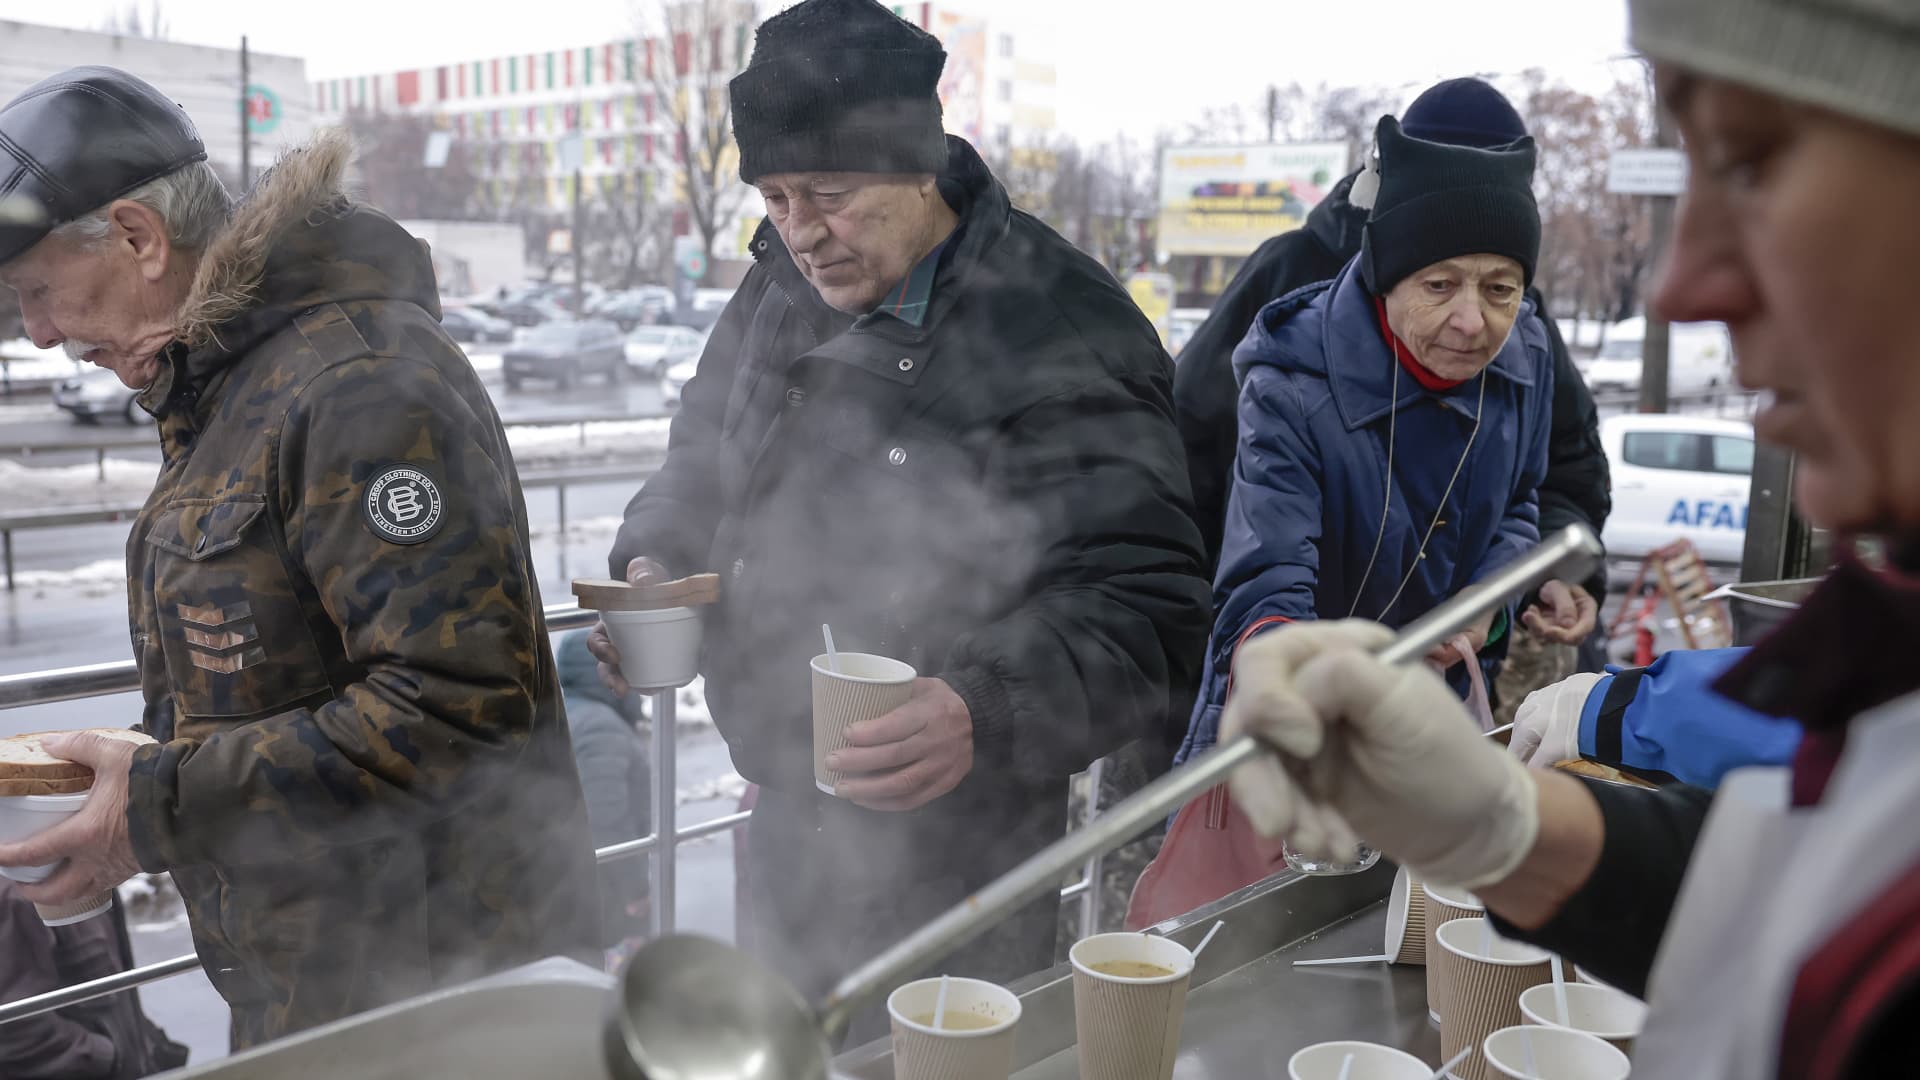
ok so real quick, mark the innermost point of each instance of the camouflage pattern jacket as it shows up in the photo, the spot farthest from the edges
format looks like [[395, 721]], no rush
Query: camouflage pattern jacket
[[365, 788]]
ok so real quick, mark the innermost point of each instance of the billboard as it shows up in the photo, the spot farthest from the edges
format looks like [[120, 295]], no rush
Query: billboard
[[963, 82], [1225, 200]]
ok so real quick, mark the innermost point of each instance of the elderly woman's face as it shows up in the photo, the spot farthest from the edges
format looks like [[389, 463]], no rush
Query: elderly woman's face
[[854, 236], [1798, 230], [1454, 316]]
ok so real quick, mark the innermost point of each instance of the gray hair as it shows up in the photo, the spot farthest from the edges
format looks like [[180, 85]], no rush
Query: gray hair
[[192, 202]]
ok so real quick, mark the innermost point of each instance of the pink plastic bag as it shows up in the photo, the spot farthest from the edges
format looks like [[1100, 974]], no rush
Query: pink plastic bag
[[1211, 848]]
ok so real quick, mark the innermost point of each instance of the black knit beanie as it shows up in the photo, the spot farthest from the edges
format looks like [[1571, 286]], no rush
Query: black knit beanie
[[840, 86], [1437, 201]]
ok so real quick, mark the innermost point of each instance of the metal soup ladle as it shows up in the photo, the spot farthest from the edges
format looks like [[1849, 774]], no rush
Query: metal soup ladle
[[692, 1008]]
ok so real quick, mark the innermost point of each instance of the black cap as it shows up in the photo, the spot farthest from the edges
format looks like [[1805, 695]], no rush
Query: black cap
[[840, 86], [1437, 201], [74, 142]]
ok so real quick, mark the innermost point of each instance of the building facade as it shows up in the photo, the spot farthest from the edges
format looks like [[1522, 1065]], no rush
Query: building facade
[[203, 79]]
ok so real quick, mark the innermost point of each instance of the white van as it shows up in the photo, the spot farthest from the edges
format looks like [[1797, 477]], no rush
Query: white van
[[1699, 358], [1677, 477]]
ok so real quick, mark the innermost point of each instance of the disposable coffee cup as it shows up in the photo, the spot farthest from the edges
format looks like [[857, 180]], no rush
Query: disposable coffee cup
[[659, 649], [1614, 1016], [1443, 906], [864, 687], [974, 1041], [1406, 920], [1129, 996], [1371, 1061], [23, 816], [1545, 1053], [1480, 986]]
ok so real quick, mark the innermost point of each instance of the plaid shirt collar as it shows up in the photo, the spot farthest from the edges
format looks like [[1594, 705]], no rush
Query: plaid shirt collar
[[909, 300]]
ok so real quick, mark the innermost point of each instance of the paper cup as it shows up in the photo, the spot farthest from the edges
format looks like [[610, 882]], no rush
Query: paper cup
[[1443, 906], [22, 816], [659, 650], [1129, 1028], [1546, 1053], [1371, 1061], [1406, 921], [866, 686], [1480, 991], [920, 1052], [1600, 1011]]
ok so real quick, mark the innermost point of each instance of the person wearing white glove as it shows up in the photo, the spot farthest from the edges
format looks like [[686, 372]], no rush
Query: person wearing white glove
[[1546, 727], [1387, 755]]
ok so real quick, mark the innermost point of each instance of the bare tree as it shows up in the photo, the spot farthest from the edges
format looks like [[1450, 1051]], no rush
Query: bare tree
[[693, 49], [393, 169]]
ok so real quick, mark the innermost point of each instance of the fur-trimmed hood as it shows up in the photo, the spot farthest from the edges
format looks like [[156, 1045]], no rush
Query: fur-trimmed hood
[[298, 241]]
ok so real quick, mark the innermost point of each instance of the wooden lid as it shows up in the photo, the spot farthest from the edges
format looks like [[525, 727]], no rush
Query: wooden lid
[[605, 594]]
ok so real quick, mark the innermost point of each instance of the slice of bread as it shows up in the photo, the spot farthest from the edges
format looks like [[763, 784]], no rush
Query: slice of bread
[[23, 758], [46, 787]]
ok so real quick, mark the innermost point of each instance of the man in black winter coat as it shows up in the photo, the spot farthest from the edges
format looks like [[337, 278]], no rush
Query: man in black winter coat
[[926, 420], [1461, 111]]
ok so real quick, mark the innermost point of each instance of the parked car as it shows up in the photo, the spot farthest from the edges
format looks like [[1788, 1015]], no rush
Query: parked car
[[630, 310], [474, 326], [704, 309], [565, 352], [527, 312], [654, 349], [1678, 477], [1180, 327], [1699, 358], [93, 394], [674, 382]]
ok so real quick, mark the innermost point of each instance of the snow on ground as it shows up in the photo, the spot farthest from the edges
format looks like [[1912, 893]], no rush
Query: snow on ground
[[62, 486], [618, 438], [102, 578], [729, 787], [484, 362]]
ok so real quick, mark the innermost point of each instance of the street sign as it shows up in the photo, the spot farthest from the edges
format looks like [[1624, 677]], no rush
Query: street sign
[[263, 109], [694, 265], [1656, 171], [572, 151], [439, 145]]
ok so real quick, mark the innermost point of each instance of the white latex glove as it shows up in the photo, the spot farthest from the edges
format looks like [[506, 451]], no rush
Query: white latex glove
[[1387, 752], [1546, 726]]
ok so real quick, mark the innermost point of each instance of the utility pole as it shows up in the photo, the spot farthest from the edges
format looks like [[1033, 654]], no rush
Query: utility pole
[[1273, 114], [579, 219], [246, 122], [1656, 352]]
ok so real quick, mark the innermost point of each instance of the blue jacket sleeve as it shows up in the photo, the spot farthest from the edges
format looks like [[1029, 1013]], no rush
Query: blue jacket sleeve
[[1666, 718], [1270, 555]]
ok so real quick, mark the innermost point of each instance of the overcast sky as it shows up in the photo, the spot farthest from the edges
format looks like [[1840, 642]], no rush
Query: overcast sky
[[1118, 69]]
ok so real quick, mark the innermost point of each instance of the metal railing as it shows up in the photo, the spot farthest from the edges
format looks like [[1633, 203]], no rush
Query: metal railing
[[661, 846], [639, 468]]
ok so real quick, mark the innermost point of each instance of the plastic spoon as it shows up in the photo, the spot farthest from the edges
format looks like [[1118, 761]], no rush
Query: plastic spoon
[[1443, 1071], [940, 1003], [833, 658], [1332, 960], [1346, 1066], [1560, 991], [1204, 940]]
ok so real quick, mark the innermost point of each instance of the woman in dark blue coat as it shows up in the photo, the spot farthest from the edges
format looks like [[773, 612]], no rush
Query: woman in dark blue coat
[[1393, 421]]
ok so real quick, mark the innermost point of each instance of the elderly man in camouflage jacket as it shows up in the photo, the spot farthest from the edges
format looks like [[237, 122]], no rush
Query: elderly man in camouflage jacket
[[363, 786]]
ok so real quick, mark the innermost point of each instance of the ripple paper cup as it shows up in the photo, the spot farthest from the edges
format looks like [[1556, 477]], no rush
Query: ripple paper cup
[[22, 816], [866, 686], [1128, 1028], [1545, 1053], [1443, 906], [1406, 920], [1601, 1011], [1480, 990], [922, 1053], [1371, 1061]]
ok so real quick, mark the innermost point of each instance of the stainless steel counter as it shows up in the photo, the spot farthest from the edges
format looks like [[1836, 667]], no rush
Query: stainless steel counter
[[1250, 1008]]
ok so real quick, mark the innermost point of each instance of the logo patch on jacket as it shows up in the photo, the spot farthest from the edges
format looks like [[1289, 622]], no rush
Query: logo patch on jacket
[[402, 505]]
